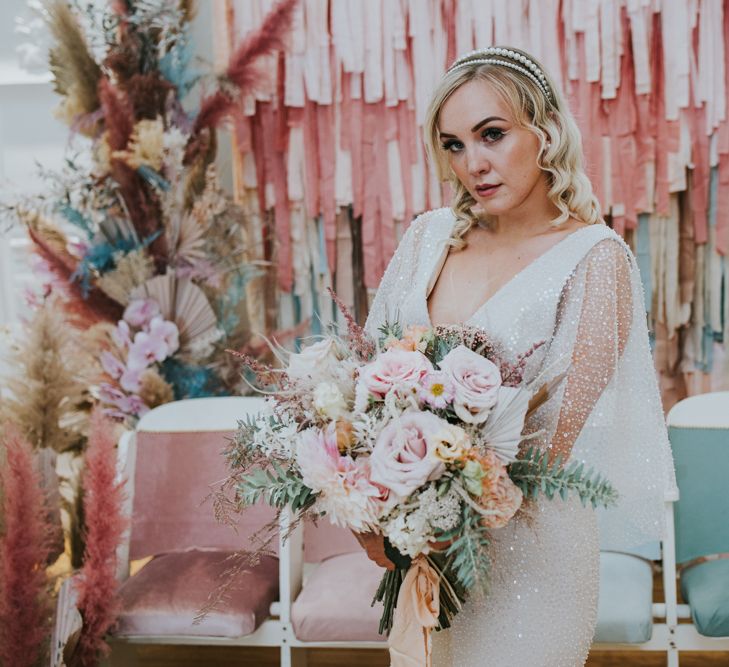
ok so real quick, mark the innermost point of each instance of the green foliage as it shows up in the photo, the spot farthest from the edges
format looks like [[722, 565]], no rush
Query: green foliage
[[468, 554], [277, 487], [535, 474], [389, 330]]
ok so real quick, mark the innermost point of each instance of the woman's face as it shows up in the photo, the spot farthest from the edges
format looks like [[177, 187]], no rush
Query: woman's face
[[494, 158]]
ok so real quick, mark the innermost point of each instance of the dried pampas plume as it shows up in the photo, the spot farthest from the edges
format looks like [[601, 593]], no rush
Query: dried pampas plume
[[155, 391], [132, 270], [105, 523], [75, 71], [46, 384], [24, 550]]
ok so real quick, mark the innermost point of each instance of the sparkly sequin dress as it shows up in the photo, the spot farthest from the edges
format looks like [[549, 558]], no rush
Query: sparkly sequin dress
[[584, 298]]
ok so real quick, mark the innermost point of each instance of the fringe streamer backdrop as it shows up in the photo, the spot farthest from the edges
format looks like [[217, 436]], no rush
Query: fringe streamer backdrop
[[329, 159]]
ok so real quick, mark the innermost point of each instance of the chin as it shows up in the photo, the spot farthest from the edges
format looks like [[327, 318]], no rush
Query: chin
[[494, 209]]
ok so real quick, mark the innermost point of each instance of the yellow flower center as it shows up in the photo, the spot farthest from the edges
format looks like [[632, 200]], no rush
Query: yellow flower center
[[437, 389]]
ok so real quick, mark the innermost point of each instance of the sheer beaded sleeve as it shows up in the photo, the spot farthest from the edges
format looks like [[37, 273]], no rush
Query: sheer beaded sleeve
[[598, 298], [609, 412]]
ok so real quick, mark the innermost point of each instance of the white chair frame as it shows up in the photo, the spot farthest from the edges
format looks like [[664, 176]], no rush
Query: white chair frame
[[273, 631], [291, 554], [665, 620]]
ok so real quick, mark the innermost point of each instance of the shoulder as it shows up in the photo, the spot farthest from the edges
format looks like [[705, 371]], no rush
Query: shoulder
[[431, 222], [427, 228], [603, 244]]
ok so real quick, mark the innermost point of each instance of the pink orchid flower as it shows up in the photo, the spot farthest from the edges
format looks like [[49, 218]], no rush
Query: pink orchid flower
[[140, 311], [166, 331], [111, 365]]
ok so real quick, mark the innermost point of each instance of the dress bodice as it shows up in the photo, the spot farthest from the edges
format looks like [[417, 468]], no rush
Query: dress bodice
[[582, 300]]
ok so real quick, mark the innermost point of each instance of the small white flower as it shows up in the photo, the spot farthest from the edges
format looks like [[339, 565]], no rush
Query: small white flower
[[329, 401], [409, 533]]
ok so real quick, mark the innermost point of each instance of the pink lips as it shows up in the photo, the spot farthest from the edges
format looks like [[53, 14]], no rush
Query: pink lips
[[487, 190]]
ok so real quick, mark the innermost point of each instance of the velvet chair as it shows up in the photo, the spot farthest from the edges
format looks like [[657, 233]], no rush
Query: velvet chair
[[329, 586], [698, 429], [171, 461]]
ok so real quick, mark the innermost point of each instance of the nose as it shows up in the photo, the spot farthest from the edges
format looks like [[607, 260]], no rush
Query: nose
[[476, 161]]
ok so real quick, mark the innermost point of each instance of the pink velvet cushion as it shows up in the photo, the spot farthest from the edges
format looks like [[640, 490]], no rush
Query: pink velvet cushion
[[164, 597], [335, 603], [324, 540]]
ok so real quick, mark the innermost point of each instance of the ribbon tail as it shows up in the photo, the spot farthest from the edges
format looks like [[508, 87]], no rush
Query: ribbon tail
[[416, 613]]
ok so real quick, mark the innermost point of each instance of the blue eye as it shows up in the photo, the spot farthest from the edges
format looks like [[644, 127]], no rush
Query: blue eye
[[492, 134], [453, 146]]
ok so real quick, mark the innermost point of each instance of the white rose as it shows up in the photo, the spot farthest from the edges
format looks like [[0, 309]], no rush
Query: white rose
[[329, 401], [476, 381], [314, 361]]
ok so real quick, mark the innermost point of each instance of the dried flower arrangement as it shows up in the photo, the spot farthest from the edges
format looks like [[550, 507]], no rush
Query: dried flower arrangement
[[141, 259]]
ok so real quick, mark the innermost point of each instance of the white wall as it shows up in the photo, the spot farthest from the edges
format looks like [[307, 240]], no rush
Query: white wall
[[28, 133]]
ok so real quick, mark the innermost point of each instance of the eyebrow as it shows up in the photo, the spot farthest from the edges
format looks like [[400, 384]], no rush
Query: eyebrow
[[476, 127]]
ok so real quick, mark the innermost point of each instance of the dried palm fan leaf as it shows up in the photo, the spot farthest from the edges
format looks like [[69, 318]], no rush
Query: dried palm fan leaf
[[189, 235], [543, 394], [185, 304]]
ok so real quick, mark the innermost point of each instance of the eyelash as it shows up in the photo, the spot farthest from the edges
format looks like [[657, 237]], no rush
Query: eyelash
[[448, 145]]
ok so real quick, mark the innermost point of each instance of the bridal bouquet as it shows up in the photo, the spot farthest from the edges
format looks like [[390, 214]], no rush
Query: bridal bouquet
[[417, 436]]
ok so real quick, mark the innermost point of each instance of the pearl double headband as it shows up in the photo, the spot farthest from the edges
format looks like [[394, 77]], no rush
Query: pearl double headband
[[521, 64]]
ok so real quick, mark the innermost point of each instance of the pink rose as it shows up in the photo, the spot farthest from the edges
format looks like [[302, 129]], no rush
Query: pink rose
[[394, 369], [476, 382], [404, 457], [503, 497]]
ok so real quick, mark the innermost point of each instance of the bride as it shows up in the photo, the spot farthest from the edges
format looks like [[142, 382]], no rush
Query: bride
[[524, 254]]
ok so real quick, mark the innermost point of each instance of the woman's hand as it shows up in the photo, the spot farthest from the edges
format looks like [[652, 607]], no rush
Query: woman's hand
[[374, 545]]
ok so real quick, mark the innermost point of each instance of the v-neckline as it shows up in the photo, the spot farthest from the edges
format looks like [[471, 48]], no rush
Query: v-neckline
[[441, 260]]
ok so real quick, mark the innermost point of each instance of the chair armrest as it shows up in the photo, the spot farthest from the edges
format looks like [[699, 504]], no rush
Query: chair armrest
[[669, 568], [291, 563], [68, 621]]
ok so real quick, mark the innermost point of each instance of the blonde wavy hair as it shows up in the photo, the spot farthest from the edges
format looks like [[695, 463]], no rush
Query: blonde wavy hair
[[560, 152]]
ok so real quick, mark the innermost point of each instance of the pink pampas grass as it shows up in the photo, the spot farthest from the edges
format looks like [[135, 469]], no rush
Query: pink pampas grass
[[103, 497], [24, 548]]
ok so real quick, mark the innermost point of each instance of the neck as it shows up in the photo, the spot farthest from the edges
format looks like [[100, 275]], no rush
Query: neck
[[531, 217]]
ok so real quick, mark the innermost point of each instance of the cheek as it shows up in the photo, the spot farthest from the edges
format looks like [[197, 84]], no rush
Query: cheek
[[523, 166]]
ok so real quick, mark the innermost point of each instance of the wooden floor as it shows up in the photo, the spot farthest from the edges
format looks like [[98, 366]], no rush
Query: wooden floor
[[198, 656], [195, 656]]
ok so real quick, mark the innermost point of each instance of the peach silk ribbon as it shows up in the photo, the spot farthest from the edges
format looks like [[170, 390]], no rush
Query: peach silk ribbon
[[416, 614]]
